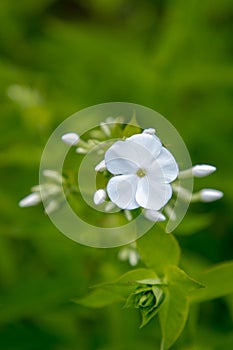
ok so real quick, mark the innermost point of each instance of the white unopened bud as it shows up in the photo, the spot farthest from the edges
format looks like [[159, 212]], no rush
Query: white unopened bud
[[133, 258], [81, 150], [51, 207], [154, 215], [101, 166], [203, 170], [199, 170], [170, 212], [210, 195], [99, 196], [31, 200], [110, 206], [53, 175], [149, 131], [128, 215], [105, 128], [70, 138]]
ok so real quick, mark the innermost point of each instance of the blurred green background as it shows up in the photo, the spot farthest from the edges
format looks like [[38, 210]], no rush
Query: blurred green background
[[172, 56]]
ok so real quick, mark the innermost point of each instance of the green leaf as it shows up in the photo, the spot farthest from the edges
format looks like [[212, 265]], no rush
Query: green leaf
[[193, 223], [178, 276], [98, 298], [218, 281], [173, 315], [174, 310], [131, 128], [158, 250]]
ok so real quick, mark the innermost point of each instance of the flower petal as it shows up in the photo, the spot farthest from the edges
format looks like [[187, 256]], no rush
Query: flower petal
[[122, 189], [151, 194], [150, 143], [164, 168], [122, 158]]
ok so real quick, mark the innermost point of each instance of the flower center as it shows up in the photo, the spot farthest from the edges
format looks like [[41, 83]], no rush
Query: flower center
[[141, 173]]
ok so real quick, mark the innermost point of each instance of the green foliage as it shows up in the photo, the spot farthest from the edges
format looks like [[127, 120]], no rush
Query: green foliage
[[158, 250], [217, 281], [174, 312]]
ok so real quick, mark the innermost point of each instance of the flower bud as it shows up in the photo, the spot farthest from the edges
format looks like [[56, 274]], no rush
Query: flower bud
[[154, 215], [81, 150], [51, 207], [128, 215], [203, 170], [31, 200], [53, 175], [70, 138], [105, 128], [210, 195], [99, 196], [149, 131], [101, 166]]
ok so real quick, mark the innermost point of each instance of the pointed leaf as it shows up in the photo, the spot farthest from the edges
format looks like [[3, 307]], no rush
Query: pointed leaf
[[125, 284], [98, 298], [174, 311], [178, 276], [158, 250], [218, 281], [173, 315]]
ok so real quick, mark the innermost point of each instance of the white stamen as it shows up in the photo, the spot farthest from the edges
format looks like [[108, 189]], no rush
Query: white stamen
[[31, 200], [70, 138], [99, 196]]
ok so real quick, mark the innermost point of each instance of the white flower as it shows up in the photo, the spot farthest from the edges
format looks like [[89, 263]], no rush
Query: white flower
[[144, 170], [70, 138], [99, 196]]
